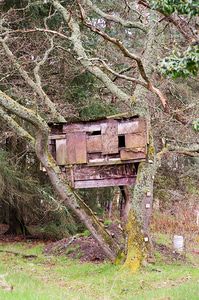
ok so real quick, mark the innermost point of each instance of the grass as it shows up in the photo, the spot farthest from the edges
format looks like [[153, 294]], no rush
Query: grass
[[53, 277]]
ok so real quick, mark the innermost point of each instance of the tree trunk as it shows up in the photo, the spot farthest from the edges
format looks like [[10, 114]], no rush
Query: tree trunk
[[126, 202]]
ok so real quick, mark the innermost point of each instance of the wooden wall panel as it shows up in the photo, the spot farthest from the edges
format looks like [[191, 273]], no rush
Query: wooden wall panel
[[104, 182], [135, 140], [70, 148], [130, 155], [132, 126], [110, 138], [94, 144], [76, 148], [61, 152], [80, 148]]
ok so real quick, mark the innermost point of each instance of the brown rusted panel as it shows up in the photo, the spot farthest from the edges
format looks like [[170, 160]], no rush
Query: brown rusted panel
[[80, 148], [135, 140], [61, 152], [110, 137], [130, 155], [70, 148], [105, 182], [94, 144]]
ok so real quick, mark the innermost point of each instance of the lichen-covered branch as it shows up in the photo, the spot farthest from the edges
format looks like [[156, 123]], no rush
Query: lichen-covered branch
[[115, 18], [35, 86], [78, 48]]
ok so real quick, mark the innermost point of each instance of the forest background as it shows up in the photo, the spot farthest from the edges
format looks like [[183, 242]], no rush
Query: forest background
[[81, 60]]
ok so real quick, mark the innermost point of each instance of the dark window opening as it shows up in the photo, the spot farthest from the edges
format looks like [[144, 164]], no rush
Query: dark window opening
[[98, 132], [121, 141]]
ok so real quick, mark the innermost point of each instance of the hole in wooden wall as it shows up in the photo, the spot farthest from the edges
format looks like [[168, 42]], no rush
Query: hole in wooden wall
[[121, 141]]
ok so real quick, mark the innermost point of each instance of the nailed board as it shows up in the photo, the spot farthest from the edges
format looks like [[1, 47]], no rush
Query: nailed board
[[61, 152], [76, 148], [105, 182], [94, 144], [110, 138], [100, 172]]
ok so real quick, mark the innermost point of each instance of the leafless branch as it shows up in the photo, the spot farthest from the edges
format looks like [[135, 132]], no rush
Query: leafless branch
[[115, 18]]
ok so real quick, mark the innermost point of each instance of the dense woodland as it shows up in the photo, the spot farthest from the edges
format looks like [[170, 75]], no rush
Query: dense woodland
[[64, 61]]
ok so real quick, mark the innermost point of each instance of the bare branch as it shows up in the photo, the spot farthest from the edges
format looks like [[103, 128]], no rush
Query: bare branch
[[36, 69], [78, 48], [115, 18], [35, 30], [118, 74], [35, 86]]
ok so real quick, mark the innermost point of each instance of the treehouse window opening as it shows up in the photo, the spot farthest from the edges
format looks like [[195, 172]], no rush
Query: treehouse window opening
[[121, 141], [97, 132]]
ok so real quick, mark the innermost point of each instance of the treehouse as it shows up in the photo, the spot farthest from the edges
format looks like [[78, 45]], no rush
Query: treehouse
[[99, 153]]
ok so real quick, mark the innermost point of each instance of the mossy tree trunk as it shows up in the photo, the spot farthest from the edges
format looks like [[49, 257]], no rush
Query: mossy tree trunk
[[139, 243]]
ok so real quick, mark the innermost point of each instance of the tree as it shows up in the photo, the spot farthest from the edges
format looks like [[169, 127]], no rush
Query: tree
[[72, 27]]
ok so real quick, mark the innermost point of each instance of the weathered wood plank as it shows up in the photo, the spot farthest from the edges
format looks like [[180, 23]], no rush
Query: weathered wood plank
[[80, 148], [135, 140], [61, 156], [82, 127], [127, 155], [99, 172], [132, 126], [57, 136], [70, 148], [110, 138], [94, 144], [104, 182]]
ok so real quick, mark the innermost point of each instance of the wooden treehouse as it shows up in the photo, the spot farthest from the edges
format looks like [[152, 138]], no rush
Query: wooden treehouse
[[99, 153]]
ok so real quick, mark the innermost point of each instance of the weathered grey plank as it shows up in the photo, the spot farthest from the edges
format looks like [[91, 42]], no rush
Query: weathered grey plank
[[104, 182], [135, 140], [100, 172], [70, 148], [110, 138], [80, 148], [94, 144], [61, 156], [130, 155]]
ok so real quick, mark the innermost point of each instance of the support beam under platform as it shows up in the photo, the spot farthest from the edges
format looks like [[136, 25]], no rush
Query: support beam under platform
[[105, 182]]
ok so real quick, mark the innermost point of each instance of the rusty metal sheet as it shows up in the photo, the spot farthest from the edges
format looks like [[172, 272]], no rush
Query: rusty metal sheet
[[110, 138], [135, 140], [61, 152], [94, 144], [130, 155]]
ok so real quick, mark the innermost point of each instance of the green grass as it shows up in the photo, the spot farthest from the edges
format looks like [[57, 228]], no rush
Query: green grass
[[53, 277]]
